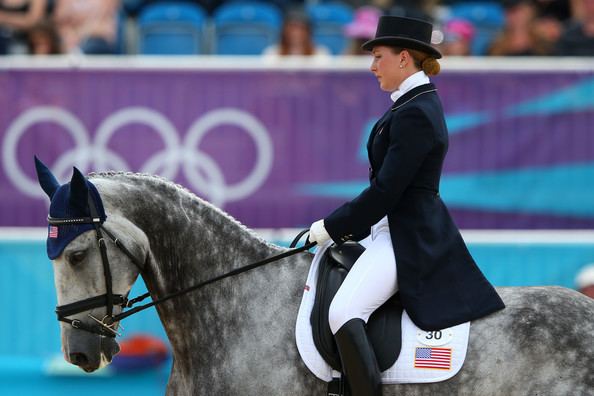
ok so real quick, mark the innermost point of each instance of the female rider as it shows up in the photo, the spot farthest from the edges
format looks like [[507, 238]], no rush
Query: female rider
[[415, 248]]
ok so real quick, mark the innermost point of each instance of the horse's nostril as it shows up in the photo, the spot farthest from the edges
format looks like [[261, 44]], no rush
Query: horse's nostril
[[79, 359]]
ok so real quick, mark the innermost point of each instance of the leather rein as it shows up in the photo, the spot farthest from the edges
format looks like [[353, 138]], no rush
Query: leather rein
[[107, 326]]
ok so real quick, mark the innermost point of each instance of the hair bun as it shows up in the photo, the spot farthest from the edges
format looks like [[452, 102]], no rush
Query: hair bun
[[430, 66]]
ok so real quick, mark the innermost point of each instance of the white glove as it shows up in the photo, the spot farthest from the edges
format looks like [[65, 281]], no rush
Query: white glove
[[318, 233]]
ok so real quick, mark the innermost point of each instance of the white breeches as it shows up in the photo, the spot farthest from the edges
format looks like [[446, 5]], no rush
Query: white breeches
[[371, 281]]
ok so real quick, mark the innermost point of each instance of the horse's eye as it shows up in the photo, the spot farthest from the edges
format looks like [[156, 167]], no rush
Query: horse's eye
[[77, 257]]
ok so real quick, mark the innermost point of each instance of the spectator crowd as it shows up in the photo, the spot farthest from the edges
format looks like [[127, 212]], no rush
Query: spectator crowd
[[462, 28]]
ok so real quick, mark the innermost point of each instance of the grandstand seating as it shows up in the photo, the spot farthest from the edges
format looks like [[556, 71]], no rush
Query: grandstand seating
[[486, 16], [245, 28], [328, 21], [171, 28]]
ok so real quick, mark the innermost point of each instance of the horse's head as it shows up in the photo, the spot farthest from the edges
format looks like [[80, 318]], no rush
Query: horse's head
[[93, 270]]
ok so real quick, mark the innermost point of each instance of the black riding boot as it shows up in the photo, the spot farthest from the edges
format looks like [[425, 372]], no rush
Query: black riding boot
[[358, 359]]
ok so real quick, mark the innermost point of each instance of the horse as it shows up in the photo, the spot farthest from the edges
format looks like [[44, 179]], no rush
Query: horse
[[236, 336]]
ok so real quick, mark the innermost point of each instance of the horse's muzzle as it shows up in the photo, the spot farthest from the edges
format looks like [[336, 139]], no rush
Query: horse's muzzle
[[89, 352]]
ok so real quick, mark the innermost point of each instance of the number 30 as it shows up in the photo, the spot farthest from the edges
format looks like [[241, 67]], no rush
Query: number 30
[[433, 335]]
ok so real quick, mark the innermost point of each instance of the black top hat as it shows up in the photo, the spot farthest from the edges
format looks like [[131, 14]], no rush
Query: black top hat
[[403, 32]]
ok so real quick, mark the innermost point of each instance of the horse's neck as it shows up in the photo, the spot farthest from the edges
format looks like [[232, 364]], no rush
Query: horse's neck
[[190, 241]]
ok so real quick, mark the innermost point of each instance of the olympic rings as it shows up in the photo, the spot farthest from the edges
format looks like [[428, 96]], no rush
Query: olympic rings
[[202, 172]]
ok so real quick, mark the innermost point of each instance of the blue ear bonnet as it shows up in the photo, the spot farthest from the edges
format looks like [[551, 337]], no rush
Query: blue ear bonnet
[[69, 201], [64, 207]]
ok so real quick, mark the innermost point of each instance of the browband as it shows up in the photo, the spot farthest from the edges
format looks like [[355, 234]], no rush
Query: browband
[[66, 221]]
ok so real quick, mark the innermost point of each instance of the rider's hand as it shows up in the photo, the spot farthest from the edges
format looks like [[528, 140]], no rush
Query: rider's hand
[[318, 233]]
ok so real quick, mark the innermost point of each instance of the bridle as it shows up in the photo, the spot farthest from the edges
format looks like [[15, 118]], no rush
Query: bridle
[[106, 326]]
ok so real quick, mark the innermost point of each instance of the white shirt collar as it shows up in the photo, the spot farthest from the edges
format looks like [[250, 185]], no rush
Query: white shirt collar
[[413, 81]]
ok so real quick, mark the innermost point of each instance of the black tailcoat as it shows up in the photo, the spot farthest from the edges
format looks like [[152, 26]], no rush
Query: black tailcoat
[[439, 282]]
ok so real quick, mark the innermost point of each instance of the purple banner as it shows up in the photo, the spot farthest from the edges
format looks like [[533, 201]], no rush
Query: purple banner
[[281, 148]]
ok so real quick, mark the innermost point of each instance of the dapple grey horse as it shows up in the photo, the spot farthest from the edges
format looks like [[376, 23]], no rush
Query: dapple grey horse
[[236, 336]]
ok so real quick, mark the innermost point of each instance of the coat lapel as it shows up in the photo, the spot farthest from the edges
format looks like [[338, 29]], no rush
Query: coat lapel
[[413, 93], [383, 122]]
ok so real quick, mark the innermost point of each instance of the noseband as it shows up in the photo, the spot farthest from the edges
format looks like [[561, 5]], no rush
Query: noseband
[[107, 325]]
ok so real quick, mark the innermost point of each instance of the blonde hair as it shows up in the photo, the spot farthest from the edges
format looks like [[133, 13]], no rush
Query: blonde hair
[[422, 61]]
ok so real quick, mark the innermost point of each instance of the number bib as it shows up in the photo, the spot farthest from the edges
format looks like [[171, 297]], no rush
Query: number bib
[[435, 338]]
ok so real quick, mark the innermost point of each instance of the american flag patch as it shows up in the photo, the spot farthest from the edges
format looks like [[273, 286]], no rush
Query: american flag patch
[[53, 232], [433, 358]]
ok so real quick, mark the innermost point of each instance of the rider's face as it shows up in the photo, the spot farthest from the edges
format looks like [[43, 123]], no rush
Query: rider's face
[[386, 67]]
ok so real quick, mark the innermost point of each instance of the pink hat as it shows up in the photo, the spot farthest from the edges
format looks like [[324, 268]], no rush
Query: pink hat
[[365, 23], [459, 29]]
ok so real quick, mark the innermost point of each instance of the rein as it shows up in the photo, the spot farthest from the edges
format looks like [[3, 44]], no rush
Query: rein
[[237, 271], [107, 325]]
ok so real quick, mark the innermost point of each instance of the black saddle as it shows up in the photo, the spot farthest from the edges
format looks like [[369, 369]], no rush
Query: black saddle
[[384, 326]]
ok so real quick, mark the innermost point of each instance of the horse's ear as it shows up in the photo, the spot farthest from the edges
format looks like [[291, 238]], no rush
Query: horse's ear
[[79, 189], [47, 180]]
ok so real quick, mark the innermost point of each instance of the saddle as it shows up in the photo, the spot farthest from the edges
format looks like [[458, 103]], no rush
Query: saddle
[[384, 326]]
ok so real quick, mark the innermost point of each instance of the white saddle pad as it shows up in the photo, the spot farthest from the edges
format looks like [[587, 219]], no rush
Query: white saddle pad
[[425, 356]]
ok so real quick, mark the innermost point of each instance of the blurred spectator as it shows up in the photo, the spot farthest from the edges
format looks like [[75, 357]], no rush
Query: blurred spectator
[[547, 29], [16, 17], [296, 38], [42, 39], [548, 25], [457, 37], [585, 280], [578, 38], [557, 9], [88, 26], [361, 29], [576, 10], [518, 36]]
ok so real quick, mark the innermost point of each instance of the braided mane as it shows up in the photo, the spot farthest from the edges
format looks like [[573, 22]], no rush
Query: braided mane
[[155, 179]]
